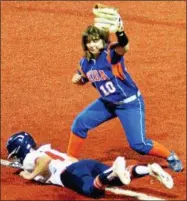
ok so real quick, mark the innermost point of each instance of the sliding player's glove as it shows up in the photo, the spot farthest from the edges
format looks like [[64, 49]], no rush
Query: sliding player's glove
[[107, 18]]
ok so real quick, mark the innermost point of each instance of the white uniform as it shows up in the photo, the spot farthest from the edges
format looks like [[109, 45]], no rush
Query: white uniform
[[57, 165]]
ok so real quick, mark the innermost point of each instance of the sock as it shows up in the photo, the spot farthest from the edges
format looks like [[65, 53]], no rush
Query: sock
[[74, 145], [138, 171], [103, 179], [98, 184], [159, 150], [106, 176]]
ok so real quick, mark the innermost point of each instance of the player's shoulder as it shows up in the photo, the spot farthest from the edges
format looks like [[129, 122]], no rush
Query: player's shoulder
[[37, 153], [83, 61], [30, 159], [48, 150], [44, 147]]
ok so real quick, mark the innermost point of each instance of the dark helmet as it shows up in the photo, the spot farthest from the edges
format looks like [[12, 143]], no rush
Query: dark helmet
[[19, 145]]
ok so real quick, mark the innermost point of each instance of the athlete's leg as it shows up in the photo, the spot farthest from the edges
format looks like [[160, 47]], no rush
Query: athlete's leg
[[154, 170], [92, 116], [132, 117], [80, 177], [90, 177]]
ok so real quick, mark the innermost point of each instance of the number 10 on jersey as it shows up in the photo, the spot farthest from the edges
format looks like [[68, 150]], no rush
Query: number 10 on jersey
[[108, 88]]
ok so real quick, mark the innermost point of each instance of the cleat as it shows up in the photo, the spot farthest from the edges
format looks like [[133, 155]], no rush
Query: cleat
[[119, 169], [174, 163], [155, 170]]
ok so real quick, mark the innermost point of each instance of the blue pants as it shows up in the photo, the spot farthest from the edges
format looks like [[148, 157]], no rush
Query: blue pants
[[80, 176], [131, 116]]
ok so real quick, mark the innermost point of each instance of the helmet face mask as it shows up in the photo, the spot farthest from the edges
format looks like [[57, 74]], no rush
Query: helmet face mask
[[19, 145]]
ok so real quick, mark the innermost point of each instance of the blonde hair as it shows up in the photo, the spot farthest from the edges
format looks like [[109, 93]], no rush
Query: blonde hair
[[94, 33]]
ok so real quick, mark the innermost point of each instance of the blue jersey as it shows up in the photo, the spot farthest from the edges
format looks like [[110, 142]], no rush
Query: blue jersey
[[109, 76]]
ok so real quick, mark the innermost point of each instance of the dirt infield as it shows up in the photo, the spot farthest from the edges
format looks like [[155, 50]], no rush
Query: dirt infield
[[40, 49]]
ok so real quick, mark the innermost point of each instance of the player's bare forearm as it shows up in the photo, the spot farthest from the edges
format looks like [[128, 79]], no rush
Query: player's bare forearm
[[122, 50], [126, 47], [41, 168], [26, 175], [73, 159], [123, 43]]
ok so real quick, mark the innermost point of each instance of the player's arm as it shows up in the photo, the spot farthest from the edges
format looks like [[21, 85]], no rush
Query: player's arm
[[79, 77], [40, 168], [123, 43], [107, 17]]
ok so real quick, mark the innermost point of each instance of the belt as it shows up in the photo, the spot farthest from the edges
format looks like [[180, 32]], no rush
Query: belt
[[129, 99]]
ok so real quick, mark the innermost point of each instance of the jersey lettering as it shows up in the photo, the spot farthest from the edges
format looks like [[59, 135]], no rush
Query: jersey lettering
[[108, 88], [96, 75]]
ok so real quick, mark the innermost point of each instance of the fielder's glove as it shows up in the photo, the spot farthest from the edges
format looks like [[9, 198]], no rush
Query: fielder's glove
[[107, 18]]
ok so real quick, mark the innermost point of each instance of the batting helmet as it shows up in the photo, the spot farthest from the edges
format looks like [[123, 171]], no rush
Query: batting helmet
[[19, 145]]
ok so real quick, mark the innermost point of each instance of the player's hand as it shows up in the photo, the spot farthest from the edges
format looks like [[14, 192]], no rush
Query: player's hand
[[77, 78], [25, 174], [107, 18]]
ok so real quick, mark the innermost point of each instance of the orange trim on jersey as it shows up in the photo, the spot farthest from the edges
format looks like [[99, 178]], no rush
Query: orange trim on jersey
[[54, 156], [117, 69]]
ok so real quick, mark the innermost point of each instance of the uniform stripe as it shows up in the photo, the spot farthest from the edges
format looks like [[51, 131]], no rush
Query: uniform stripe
[[54, 156], [97, 183], [141, 126], [120, 88]]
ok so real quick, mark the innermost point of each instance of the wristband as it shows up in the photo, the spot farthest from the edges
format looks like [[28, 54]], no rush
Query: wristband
[[83, 79], [122, 38], [78, 72]]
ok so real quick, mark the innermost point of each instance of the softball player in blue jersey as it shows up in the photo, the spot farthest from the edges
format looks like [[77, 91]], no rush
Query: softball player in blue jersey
[[104, 66]]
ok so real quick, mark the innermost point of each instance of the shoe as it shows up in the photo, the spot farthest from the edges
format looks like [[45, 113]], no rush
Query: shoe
[[174, 163], [156, 171], [119, 169]]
